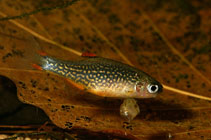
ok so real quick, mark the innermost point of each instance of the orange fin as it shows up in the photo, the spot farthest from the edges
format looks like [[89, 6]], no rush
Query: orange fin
[[87, 54], [41, 53], [37, 67], [79, 86]]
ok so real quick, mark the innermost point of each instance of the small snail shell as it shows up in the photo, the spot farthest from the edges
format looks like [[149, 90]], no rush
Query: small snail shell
[[129, 109]]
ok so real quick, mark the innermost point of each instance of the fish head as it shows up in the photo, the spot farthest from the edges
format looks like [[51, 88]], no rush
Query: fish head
[[147, 88]]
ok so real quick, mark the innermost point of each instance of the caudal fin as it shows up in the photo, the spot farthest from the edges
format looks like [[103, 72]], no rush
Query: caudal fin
[[33, 55]]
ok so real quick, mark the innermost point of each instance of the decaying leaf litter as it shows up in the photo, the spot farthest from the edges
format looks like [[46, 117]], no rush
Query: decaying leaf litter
[[131, 36]]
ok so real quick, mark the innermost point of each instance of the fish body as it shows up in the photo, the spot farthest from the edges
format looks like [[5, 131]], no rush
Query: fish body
[[104, 77]]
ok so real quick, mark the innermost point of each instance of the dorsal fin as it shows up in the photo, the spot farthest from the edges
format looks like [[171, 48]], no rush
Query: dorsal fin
[[88, 54], [42, 53]]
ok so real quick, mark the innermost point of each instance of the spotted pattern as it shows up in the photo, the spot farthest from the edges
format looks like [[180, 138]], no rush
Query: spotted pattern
[[100, 74], [91, 74]]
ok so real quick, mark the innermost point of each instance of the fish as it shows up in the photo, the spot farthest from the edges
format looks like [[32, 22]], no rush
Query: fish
[[102, 76]]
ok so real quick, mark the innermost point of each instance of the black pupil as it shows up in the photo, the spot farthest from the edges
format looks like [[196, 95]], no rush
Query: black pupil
[[153, 88]]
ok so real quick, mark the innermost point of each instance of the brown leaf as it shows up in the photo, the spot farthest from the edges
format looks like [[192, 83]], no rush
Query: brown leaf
[[129, 31]]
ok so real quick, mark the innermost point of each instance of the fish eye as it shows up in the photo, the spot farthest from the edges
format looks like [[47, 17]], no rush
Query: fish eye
[[152, 88]]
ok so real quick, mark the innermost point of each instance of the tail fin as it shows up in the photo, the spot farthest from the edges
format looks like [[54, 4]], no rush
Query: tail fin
[[32, 55], [20, 53]]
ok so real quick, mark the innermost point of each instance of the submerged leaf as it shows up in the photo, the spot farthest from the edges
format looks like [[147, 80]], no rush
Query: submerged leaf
[[120, 31]]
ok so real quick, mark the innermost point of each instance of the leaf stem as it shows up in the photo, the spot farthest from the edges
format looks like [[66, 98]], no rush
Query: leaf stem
[[186, 93], [42, 37]]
